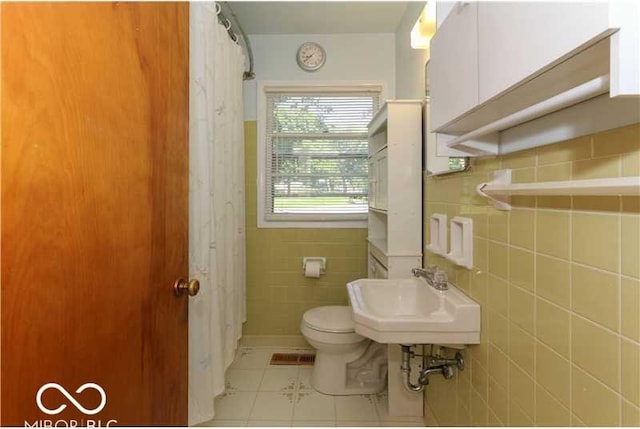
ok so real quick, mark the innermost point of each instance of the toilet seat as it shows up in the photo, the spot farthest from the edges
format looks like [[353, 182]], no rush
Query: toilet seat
[[335, 319]]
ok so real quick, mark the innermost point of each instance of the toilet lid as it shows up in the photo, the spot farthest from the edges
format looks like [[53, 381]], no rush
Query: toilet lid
[[333, 318]]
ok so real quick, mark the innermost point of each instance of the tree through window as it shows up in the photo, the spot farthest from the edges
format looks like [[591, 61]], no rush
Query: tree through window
[[316, 152]]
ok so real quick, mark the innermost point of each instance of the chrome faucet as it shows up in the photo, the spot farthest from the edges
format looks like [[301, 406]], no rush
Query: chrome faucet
[[434, 276], [426, 273], [419, 272]]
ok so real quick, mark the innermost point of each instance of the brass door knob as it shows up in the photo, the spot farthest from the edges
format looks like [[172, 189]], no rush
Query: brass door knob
[[181, 286]]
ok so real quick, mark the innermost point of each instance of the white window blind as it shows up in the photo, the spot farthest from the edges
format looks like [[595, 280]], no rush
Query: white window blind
[[316, 153]]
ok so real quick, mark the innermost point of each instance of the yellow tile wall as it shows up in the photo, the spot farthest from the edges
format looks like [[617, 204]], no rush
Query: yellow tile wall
[[277, 292], [558, 281]]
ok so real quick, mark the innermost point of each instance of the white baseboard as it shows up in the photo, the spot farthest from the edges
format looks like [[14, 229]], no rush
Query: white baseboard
[[274, 341]]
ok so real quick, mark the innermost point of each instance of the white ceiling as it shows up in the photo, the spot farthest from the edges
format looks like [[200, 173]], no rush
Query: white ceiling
[[319, 17]]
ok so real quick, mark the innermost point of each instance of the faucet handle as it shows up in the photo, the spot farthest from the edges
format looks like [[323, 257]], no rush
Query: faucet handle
[[447, 371], [440, 276], [440, 280]]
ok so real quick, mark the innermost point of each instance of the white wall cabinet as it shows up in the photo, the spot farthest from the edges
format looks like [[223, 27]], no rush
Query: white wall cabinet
[[625, 48], [516, 40], [395, 192], [496, 60], [453, 65]]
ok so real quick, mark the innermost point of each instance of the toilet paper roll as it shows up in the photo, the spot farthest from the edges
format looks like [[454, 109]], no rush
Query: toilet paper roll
[[312, 269]]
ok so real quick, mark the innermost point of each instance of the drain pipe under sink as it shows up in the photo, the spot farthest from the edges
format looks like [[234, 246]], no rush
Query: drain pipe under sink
[[431, 365], [406, 371]]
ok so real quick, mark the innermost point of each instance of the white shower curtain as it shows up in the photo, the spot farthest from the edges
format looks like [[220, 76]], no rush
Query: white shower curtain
[[216, 207]]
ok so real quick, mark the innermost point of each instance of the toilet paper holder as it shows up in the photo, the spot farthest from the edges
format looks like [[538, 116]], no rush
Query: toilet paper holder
[[323, 263]]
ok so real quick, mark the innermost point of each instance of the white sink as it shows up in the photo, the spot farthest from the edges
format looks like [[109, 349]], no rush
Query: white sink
[[409, 311]]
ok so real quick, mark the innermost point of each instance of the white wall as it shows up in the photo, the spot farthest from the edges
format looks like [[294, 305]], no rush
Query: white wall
[[409, 62], [350, 57]]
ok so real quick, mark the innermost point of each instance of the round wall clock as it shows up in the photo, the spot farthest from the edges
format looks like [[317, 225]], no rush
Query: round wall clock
[[311, 56]]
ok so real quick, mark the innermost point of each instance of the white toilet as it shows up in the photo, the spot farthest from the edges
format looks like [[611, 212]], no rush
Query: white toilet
[[346, 363]]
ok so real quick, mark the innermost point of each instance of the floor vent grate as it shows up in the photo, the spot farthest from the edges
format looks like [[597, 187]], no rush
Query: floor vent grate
[[292, 359]]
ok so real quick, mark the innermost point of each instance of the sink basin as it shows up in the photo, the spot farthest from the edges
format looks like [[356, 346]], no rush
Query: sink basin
[[409, 311]]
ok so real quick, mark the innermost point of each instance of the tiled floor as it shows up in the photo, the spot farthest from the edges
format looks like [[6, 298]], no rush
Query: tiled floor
[[259, 394]]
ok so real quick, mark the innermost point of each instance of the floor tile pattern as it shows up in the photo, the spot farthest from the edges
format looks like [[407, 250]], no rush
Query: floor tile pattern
[[261, 395]]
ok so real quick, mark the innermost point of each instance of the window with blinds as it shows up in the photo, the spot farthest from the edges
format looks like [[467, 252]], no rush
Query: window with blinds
[[316, 154]]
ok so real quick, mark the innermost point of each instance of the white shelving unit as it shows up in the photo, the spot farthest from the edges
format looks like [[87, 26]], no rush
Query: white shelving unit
[[395, 188], [395, 217]]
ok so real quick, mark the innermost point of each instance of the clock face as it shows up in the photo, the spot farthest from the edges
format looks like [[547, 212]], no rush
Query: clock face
[[311, 56]]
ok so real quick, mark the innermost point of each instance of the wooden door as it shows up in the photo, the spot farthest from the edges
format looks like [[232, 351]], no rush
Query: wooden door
[[94, 212]]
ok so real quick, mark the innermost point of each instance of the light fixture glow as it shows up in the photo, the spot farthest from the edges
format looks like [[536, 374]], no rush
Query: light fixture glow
[[425, 27]]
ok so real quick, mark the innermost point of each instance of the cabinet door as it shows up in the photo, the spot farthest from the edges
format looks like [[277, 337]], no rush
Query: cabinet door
[[518, 39], [453, 65], [625, 48], [376, 269], [382, 185], [373, 182]]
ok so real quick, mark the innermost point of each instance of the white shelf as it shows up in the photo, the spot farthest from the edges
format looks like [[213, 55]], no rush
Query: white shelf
[[380, 244], [560, 101], [380, 211], [613, 186], [378, 150], [502, 187]]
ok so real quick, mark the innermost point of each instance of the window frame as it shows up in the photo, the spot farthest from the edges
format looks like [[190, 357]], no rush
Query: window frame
[[293, 220]]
